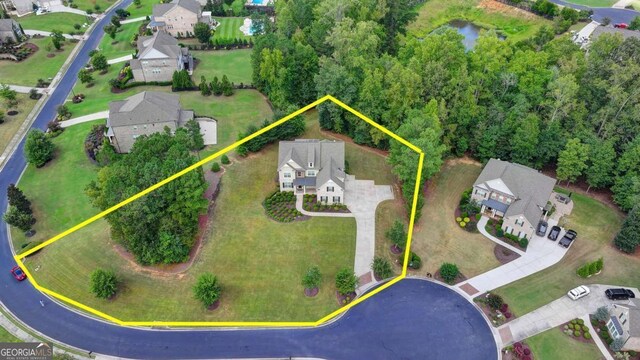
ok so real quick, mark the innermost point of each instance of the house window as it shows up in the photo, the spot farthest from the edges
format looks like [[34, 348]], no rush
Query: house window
[[336, 199], [287, 185], [519, 222], [508, 201], [286, 175], [324, 199], [311, 165], [493, 195], [481, 193], [330, 188], [299, 174], [311, 173]]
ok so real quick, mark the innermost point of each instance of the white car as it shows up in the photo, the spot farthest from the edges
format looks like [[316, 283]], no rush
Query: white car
[[579, 292]]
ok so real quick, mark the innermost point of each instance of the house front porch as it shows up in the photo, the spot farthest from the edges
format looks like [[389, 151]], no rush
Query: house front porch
[[493, 209]]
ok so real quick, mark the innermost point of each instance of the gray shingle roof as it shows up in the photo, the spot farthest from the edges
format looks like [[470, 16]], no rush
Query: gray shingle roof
[[634, 318], [145, 108], [7, 24], [611, 30], [326, 155], [191, 5], [160, 41], [531, 188]]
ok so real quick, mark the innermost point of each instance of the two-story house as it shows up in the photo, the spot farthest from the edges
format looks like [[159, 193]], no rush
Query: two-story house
[[150, 112], [515, 193], [625, 323], [310, 166], [178, 17], [158, 57], [10, 31]]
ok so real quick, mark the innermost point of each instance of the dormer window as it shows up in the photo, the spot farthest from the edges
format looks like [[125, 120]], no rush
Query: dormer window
[[311, 165]]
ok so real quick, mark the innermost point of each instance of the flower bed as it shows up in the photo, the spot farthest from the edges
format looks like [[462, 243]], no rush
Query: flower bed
[[310, 203], [495, 308], [576, 329], [494, 228], [281, 206], [519, 350], [467, 213]]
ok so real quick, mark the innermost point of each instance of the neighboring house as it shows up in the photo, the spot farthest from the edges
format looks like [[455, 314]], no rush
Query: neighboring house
[[515, 193], [308, 166], [23, 7], [159, 56], [625, 323], [147, 113], [594, 30], [10, 31], [178, 17]]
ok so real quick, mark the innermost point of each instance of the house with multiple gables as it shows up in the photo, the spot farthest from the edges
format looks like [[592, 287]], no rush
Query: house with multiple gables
[[178, 17], [624, 323], [158, 57], [10, 31], [23, 7], [309, 166], [150, 112], [514, 193]]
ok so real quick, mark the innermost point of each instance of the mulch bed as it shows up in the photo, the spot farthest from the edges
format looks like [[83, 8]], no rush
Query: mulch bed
[[472, 226], [309, 206], [504, 255], [311, 292], [12, 112], [490, 313], [341, 298], [460, 278], [214, 306], [50, 55], [578, 339], [395, 250]]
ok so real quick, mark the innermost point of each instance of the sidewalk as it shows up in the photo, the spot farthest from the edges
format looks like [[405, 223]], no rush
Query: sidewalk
[[621, 4], [62, 8], [129, 21], [26, 89], [47, 33], [541, 254], [86, 118], [120, 59], [594, 335]]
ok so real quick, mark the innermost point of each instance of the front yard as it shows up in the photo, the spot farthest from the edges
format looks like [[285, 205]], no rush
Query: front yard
[[36, 66], [54, 21], [596, 225], [145, 9], [260, 262], [12, 123], [121, 45], [553, 344], [438, 238]]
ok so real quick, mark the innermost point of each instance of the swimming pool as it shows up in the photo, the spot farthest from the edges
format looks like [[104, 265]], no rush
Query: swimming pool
[[259, 2]]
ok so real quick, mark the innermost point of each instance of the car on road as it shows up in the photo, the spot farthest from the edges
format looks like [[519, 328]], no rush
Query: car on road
[[579, 292], [621, 25], [568, 238], [542, 228], [18, 273], [554, 233], [619, 294]]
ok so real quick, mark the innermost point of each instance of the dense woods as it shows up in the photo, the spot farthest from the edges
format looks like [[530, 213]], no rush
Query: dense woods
[[539, 102]]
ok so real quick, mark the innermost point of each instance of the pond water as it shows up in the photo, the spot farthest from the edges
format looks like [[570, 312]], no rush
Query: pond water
[[469, 30]]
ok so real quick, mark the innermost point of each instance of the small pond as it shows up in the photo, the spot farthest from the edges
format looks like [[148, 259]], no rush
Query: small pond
[[469, 30]]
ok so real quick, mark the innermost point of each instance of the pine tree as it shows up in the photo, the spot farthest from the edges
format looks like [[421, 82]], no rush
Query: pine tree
[[17, 199], [628, 239]]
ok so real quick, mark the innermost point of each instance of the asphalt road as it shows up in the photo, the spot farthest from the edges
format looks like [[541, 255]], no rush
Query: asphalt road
[[599, 13], [413, 319]]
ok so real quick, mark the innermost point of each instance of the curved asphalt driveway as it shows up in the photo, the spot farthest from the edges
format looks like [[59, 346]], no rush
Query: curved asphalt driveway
[[413, 319], [599, 13]]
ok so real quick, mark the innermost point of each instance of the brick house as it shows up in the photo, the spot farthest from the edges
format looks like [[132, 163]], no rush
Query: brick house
[[514, 193], [158, 57], [308, 166], [625, 323], [178, 17]]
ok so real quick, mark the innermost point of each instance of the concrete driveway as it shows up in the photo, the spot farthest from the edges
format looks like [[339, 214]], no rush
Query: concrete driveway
[[556, 313], [362, 198]]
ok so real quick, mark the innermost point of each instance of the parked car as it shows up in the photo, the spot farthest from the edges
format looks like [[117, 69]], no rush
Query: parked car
[[554, 233], [18, 273], [619, 294], [542, 228], [579, 292], [621, 25], [568, 238]]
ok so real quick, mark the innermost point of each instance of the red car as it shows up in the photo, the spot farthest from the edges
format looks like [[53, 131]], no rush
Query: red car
[[621, 25], [18, 273]]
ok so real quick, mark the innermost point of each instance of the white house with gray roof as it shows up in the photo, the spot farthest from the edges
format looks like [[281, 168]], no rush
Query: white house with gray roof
[[310, 166], [150, 112], [178, 17], [515, 193], [10, 31], [158, 57], [625, 323]]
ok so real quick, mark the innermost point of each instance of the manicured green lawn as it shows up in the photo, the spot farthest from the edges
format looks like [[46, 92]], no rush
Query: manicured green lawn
[[259, 262], [12, 123], [236, 64], [438, 238], [512, 22], [229, 28], [594, 3], [145, 9], [554, 344], [90, 4], [6, 337], [121, 45], [56, 190], [37, 66], [54, 21], [596, 225]]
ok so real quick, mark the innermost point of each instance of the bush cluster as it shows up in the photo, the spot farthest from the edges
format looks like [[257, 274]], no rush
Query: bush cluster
[[523, 242], [590, 268], [281, 206], [449, 272], [310, 203]]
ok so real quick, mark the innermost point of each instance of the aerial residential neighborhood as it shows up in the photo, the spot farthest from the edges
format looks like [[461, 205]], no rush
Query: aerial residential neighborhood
[[319, 179]]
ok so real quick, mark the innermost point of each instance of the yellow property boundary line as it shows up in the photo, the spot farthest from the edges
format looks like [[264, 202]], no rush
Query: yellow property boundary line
[[19, 258]]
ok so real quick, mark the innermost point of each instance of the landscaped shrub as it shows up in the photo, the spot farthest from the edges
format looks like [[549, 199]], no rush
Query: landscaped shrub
[[500, 233], [281, 206], [508, 315], [225, 159], [585, 328], [346, 281], [527, 351], [463, 224], [397, 235], [494, 301], [38, 148], [524, 242], [414, 261], [449, 272], [104, 283], [586, 335], [466, 219], [504, 307], [602, 314], [577, 333], [207, 289], [580, 321], [381, 268], [215, 167], [312, 278], [458, 219]]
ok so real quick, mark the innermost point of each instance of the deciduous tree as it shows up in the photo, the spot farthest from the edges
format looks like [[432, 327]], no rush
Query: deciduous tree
[[38, 149]]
